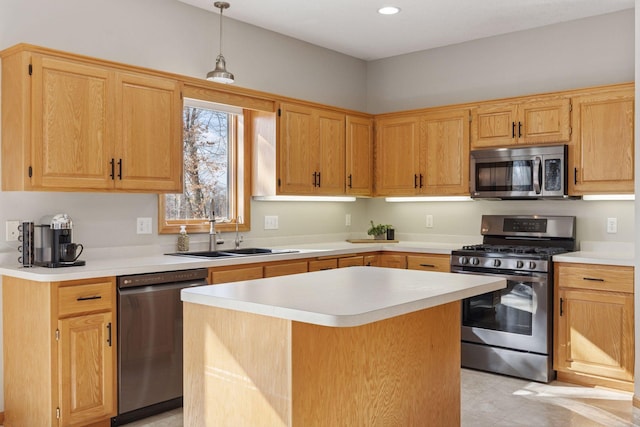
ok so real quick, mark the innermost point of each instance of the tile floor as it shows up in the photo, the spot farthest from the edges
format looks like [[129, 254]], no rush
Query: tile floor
[[497, 401]]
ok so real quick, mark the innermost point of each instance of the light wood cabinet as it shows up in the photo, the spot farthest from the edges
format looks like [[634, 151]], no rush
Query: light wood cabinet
[[323, 264], [80, 124], [425, 154], [351, 261], [534, 121], [444, 153], [234, 273], [602, 150], [59, 352], [430, 262], [397, 152], [392, 261], [594, 332], [275, 269], [359, 156], [311, 151]]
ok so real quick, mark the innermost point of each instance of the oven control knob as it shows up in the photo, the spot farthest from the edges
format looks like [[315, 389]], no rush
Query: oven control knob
[[496, 263], [475, 261], [463, 260], [532, 265], [519, 264]]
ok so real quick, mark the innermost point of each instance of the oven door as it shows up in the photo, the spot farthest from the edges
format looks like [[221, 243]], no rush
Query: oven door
[[516, 317]]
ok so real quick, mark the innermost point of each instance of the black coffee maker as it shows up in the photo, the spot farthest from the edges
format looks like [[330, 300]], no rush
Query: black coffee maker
[[53, 245]]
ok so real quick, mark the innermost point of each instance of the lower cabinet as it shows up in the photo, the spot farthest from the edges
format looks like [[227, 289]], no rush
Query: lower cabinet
[[392, 261], [429, 262], [59, 352], [594, 332], [274, 269]]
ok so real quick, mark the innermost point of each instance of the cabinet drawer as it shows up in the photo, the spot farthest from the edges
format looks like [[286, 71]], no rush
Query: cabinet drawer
[[596, 277], [285, 269], [323, 264], [428, 262], [353, 261], [85, 298], [234, 275]]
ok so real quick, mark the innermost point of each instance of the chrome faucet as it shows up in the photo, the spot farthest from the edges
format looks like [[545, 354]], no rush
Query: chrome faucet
[[238, 237]]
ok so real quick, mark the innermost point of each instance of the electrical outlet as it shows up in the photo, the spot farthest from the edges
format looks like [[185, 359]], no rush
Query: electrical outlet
[[143, 226], [270, 222], [429, 221], [12, 231], [612, 225], [347, 220]]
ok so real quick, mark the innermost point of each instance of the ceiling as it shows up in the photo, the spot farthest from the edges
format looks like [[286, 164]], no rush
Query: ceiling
[[354, 27]]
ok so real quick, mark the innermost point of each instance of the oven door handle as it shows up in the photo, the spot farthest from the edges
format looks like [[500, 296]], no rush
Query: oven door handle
[[513, 277], [537, 175]]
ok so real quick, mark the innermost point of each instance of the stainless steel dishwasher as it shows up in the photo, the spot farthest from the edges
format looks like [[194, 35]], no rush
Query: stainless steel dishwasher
[[150, 342]]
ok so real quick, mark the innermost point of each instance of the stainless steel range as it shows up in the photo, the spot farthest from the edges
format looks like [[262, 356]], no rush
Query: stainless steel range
[[510, 331]]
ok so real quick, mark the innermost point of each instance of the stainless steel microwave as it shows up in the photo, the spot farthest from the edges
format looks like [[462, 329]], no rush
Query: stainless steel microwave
[[519, 173]]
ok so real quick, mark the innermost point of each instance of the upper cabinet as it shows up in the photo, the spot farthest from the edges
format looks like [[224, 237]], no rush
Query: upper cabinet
[[75, 124], [535, 121], [359, 156], [311, 151], [602, 149], [423, 154]]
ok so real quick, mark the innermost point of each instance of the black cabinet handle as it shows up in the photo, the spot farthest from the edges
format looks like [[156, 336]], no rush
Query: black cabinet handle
[[89, 298], [561, 306], [319, 179], [421, 180], [120, 169], [350, 181], [519, 129], [593, 279], [315, 179], [575, 176], [109, 336], [415, 180], [513, 129], [113, 168], [428, 265]]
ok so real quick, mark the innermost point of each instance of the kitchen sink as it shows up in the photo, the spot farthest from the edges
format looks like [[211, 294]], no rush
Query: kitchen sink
[[233, 252]]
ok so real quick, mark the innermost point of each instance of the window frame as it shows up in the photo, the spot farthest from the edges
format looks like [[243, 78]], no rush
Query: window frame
[[241, 177]]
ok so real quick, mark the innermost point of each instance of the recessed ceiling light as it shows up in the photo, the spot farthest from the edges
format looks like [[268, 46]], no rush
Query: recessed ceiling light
[[388, 10]]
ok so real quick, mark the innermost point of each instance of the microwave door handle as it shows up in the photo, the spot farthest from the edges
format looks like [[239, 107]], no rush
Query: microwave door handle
[[537, 174]]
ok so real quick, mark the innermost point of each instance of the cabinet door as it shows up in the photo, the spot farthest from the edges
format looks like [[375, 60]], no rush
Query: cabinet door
[[444, 155], [603, 143], [323, 264], [352, 261], [71, 124], [149, 128], [595, 334], [544, 122], [493, 126], [297, 150], [271, 270], [330, 158], [397, 156], [359, 156], [86, 368]]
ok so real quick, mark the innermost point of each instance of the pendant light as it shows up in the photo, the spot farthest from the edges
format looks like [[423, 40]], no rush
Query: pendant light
[[220, 73]]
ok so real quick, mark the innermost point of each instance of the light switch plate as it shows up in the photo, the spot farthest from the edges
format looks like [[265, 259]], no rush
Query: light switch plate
[[270, 222], [143, 225], [612, 225]]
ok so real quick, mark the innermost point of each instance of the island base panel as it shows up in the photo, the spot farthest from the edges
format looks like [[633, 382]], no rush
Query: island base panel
[[248, 369]]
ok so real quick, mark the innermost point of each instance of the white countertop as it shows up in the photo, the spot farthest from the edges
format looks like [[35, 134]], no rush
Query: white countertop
[[608, 253], [155, 263], [343, 297]]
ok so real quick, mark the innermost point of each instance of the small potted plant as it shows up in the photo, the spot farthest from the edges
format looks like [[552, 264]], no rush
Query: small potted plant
[[378, 231]]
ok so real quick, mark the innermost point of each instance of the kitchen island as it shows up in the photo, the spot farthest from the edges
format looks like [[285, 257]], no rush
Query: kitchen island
[[355, 346]]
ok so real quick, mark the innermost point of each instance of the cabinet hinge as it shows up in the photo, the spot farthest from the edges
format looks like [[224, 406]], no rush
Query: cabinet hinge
[[30, 172], [58, 413], [57, 334], [279, 112], [30, 69]]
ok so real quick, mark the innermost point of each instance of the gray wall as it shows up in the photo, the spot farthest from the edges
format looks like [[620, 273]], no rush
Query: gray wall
[[169, 35]]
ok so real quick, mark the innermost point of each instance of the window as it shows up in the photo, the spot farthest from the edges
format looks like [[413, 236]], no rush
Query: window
[[214, 171]]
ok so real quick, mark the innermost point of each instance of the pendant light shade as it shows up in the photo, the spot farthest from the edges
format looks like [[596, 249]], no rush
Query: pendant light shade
[[220, 73]]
